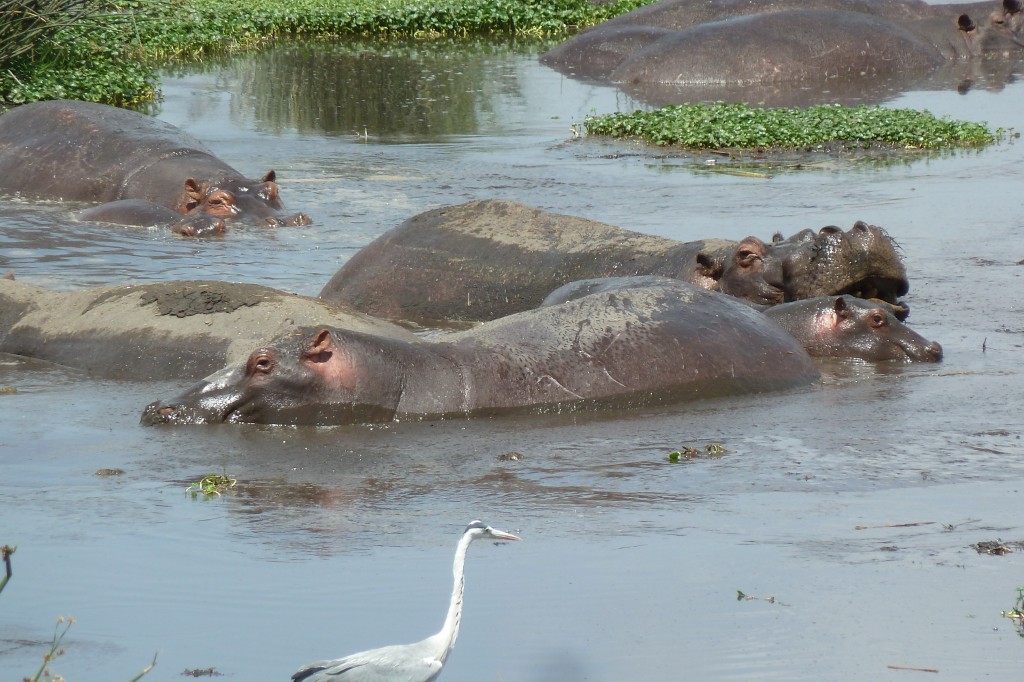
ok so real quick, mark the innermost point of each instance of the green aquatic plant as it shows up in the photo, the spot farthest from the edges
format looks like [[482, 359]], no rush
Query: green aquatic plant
[[76, 49], [739, 126], [210, 485], [711, 450], [1016, 612]]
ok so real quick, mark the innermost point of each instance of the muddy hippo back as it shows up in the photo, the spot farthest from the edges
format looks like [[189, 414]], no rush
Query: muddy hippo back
[[164, 330]]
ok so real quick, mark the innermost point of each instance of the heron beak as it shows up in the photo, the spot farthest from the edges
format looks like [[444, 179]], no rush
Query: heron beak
[[502, 535]]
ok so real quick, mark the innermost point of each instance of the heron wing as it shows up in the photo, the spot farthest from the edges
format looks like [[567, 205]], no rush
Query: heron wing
[[403, 663]]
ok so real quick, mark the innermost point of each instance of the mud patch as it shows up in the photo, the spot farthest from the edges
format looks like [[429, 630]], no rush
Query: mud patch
[[212, 297]]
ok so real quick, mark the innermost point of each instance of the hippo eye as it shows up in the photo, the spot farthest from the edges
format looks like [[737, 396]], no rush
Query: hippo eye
[[260, 362], [747, 258], [878, 320]]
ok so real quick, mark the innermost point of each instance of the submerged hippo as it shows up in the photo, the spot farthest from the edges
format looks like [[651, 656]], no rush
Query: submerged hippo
[[826, 326], [165, 330], [626, 348], [147, 214], [487, 259], [79, 151], [849, 327], [707, 43]]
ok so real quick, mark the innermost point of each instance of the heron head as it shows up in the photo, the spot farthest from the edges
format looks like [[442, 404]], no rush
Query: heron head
[[479, 530]]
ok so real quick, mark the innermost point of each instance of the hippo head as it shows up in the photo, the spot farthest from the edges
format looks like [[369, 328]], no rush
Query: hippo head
[[301, 378], [862, 261], [852, 327], [257, 203], [1003, 30]]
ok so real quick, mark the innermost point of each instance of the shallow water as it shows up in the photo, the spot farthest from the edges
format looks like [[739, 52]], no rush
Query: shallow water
[[336, 540]]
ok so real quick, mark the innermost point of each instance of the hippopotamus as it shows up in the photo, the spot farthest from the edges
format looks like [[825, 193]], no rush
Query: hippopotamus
[[164, 330], [849, 327], [148, 214], [80, 151], [609, 349], [711, 46], [826, 326], [487, 259]]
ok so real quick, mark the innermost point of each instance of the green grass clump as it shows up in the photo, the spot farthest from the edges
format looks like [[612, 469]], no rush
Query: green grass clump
[[738, 126]]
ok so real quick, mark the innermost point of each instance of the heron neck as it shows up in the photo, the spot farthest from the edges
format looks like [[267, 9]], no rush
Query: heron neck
[[450, 632]]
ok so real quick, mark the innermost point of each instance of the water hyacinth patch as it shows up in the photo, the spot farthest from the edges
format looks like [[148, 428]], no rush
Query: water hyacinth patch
[[109, 51], [739, 126]]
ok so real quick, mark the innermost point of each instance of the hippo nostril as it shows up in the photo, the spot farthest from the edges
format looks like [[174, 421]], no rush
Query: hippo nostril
[[935, 350], [861, 226], [830, 229], [300, 219], [164, 411]]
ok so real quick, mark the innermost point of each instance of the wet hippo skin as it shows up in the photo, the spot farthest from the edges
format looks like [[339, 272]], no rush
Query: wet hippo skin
[[608, 350], [486, 259], [80, 151]]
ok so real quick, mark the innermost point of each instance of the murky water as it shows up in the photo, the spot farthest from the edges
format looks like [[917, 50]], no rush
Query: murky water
[[340, 539]]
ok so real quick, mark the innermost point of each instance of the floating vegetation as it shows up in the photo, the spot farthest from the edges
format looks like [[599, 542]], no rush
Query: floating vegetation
[[210, 485], [1016, 614], [997, 547], [824, 128], [711, 450], [743, 596]]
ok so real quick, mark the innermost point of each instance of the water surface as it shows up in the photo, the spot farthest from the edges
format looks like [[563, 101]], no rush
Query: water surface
[[340, 539]]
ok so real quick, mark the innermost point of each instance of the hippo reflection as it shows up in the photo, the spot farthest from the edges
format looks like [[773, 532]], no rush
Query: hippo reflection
[[628, 348], [79, 151]]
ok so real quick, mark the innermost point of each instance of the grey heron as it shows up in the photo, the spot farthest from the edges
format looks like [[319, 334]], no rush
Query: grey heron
[[419, 662]]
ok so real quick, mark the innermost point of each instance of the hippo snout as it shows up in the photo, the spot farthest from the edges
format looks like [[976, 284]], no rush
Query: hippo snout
[[202, 225], [161, 413], [294, 220], [933, 351]]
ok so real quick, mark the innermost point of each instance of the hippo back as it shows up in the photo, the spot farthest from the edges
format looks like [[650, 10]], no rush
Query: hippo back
[[649, 344], [80, 151]]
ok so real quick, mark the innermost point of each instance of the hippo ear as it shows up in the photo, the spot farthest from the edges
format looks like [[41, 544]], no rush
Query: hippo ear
[[194, 194], [841, 309], [336, 366], [710, 267], [965, 23], [271, 176], [321, 346]]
